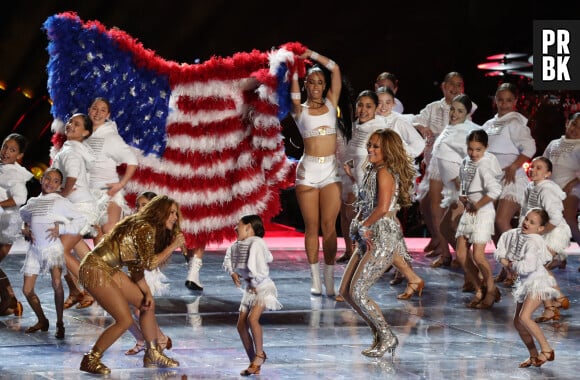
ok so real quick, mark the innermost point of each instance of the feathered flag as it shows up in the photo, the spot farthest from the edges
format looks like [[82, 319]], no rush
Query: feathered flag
[[207, 134]]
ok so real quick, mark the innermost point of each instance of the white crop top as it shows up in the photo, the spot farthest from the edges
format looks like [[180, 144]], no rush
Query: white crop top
[[317, 125]]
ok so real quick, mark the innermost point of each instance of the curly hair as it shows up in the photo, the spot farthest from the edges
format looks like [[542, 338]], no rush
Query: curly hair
[[154, 213], [397, 161]]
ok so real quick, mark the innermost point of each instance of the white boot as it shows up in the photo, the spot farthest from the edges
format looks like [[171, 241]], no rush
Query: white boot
[[193, 282], [329, 280], [193, 313], [316, 288]]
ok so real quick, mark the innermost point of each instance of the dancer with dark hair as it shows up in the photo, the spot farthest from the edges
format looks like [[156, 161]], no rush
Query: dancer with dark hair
[[479, 187], [318, 183], [13, 194], [46, 218], [524, 250], [247, 262]]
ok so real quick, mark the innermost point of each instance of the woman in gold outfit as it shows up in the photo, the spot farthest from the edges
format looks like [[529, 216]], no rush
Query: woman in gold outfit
[[141, 242]]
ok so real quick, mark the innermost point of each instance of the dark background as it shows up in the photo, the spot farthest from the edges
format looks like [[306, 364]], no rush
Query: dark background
[[418, 41]]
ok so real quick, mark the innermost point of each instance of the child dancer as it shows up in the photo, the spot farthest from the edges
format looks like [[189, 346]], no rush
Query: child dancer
[[74, 160], [449, 149], [544, 193], [13, 194], [525, 251], [511, 141], [247, 259], [430, 122], [46, 218], [480, 172]]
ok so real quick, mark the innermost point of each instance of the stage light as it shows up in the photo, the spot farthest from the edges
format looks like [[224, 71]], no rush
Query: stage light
[[38, 170], [526, 166], [27, 93]]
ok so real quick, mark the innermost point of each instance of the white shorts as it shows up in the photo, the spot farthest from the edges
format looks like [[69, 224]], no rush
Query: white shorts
[[317, 172]]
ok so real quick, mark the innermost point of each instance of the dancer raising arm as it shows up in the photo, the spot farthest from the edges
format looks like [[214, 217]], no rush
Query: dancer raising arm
[[318, 183]]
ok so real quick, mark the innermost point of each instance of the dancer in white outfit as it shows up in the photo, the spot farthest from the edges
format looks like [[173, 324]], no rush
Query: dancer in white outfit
[[414, 142], [544, 193], [111, 151], [430, 122], [510, 140], [565, 156], [13, 194], [480, 172], [74, 161], [449, 149], [318, 183], [247, 261], [354, 158], [525, 251], [390, 81], [46, 218]]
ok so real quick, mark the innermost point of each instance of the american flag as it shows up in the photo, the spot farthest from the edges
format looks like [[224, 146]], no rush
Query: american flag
[[203, 133]]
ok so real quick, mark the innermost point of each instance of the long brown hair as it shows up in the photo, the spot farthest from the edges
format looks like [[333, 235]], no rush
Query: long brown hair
[[154, 213]]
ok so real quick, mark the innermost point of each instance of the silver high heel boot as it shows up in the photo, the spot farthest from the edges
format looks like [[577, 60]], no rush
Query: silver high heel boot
[[387, 342], [376, 341]]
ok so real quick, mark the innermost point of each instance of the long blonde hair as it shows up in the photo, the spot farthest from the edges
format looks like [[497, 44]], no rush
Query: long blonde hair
[[398, 162]]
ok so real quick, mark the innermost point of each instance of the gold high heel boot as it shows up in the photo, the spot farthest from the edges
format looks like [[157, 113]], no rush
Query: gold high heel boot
[[387, 342], [92, 363], [154, 358]]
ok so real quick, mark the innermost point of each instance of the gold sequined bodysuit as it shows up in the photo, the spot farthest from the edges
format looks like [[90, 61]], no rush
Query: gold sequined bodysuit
[[136, 251]]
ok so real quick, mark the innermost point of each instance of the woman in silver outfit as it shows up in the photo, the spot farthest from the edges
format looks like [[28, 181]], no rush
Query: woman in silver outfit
[[387, 186]]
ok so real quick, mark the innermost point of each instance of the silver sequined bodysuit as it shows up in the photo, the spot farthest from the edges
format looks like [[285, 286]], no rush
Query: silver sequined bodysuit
[[387, 240], [387, 236]]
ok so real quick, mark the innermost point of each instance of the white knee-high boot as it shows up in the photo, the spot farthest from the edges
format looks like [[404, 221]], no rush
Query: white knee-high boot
[[193, 313], [329, 280], [316, 288], [193, 282]]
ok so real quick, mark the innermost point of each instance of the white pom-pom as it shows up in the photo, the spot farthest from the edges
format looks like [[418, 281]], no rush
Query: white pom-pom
[[57, 126]]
